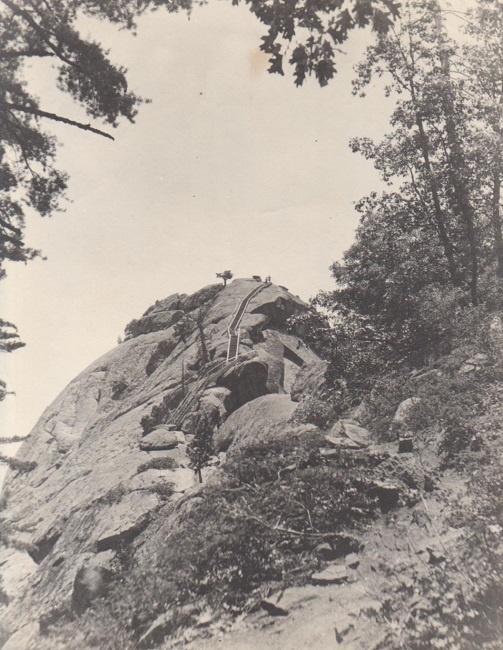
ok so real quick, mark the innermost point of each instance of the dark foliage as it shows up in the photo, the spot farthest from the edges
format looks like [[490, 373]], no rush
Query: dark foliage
[[158, 463]]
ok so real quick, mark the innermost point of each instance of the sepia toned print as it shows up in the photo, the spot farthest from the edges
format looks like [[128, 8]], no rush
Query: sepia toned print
[[251, 392]]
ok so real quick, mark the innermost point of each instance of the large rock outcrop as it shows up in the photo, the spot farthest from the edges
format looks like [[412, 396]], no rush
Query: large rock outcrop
[[111, 451]]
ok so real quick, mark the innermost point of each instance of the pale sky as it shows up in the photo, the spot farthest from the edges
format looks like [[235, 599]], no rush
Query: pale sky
[[228, 168]]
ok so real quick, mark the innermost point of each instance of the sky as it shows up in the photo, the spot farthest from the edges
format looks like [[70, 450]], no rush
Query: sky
[[229, 167]]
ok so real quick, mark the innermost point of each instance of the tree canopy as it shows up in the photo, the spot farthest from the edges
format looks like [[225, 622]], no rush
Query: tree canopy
[[431, 244]]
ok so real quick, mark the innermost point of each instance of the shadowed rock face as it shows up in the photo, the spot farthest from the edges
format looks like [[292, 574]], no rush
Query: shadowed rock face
[[105, 466], [257, 421]]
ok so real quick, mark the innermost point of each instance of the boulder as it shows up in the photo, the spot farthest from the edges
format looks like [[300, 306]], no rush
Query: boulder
[[352, 561], [474, 363], [325, 551], [200, 297], [277, 305], [159, 439], [275, 370], [405, 444], [151, 479], [387, 493], [183, 479], [350, 429], [360, 413], [246, 380], [334, 574], [340, 442], [216, 404], [343, 624], [331, 453], [154, 322], [44, 540], [257, 421], [272, 609], [404, 411], [17, 569], [406, 470], [166, 304], [400, 425]]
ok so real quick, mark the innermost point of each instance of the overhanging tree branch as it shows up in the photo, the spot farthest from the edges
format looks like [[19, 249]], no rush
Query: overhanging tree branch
[[56, 118], [13, 54]]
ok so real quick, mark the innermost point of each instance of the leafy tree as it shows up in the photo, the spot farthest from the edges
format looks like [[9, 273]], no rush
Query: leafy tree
[[225, 275], [480, 64], [427, 150], [395, 256], [445, 149], [423, 245]]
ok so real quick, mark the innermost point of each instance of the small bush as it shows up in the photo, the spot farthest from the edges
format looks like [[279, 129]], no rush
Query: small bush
[[114, 495], [319, 412], [118, 388], [17, 465], [163, 490], [132, 329], [450, 405], [158, 463]]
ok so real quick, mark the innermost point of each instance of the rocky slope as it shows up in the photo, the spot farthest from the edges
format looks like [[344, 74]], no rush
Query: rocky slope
[[375, 529], [112, 441]]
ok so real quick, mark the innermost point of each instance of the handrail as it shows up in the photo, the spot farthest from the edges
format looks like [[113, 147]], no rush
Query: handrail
[[233, 330], [237, 316]]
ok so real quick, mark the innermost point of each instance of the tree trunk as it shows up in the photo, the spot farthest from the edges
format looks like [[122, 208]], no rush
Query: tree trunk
[[438, 212], [496, 197], [459, 195], [424, 143], [496, 218]]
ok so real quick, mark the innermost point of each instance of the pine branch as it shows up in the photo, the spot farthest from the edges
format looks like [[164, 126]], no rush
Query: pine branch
[[56, 118], [12, 54]]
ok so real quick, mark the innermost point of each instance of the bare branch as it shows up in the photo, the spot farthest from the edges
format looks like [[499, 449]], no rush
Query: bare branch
[[13, 54], [56, 118]]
